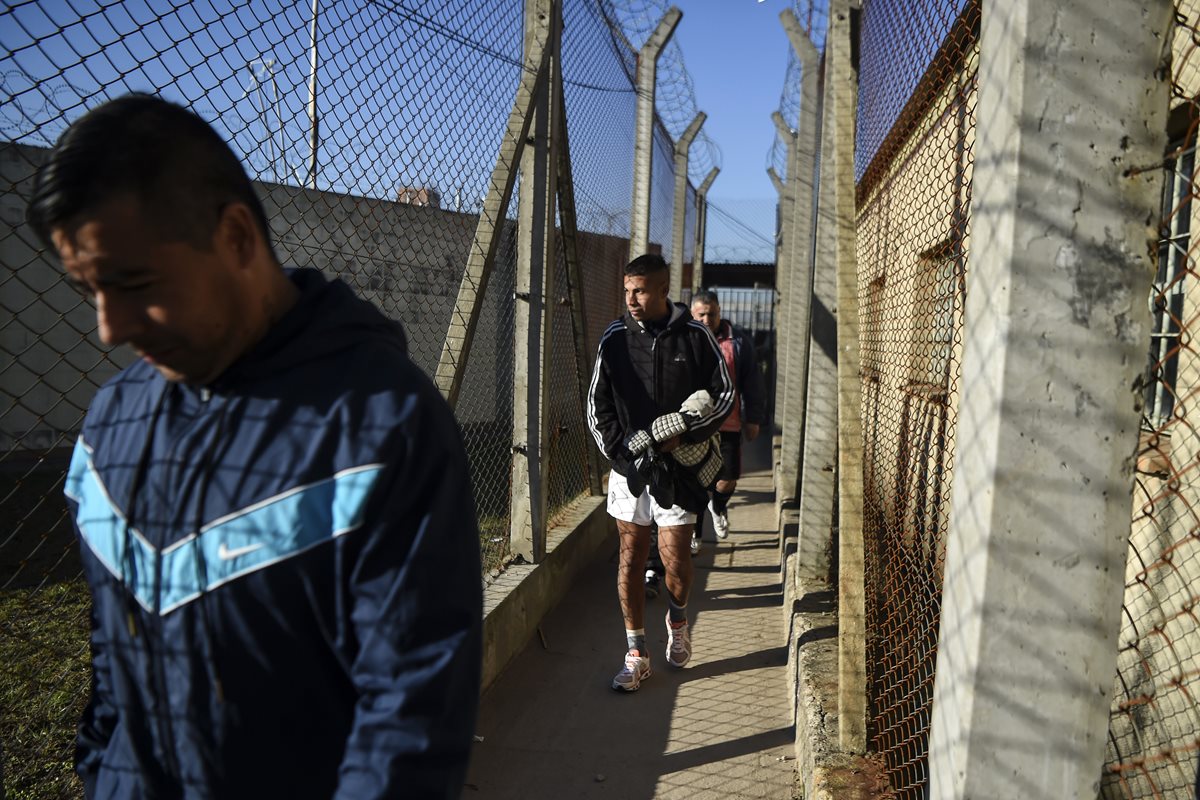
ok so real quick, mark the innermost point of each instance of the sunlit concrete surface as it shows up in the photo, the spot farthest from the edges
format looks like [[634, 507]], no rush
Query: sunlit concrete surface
[[552, 727]]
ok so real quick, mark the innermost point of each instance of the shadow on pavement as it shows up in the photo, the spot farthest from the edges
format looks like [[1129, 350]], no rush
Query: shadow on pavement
[[552, 727]]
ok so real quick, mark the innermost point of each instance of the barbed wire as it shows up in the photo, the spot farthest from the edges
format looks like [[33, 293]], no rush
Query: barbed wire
[[732, 238], [675, 92], [813, 16]]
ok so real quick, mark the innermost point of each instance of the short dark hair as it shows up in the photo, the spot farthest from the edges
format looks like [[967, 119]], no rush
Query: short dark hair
[[178, 168], [647, 264], [706, 296]]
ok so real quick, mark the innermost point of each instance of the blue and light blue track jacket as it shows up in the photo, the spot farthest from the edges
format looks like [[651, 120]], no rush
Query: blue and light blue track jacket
[[284, 569]]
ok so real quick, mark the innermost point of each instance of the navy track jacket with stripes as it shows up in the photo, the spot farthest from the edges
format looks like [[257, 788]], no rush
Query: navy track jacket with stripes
[[640, 376], [284, 569]]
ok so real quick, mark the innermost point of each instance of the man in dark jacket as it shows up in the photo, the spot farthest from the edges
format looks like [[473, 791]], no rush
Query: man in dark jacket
[[749, 408], [659, 379], [272, 503]]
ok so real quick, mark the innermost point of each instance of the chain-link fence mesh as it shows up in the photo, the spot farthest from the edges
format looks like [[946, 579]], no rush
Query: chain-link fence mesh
[[916, 118], [598, 80], [1154, 728], [371, 131], [735, 233], [569, 439]]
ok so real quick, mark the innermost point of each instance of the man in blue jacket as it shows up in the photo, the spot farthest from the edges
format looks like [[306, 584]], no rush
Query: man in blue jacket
[[273, 503]]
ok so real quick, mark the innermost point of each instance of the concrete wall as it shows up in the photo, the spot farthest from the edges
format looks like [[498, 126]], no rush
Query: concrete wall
[[50, 362], [406, 259], [913, 253]]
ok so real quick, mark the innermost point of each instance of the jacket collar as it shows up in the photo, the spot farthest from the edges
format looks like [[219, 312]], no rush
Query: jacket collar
[[680, 316]]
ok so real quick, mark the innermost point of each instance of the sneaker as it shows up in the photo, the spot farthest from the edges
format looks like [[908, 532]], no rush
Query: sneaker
[[651, 584], [636, 670], [720, 521], [679, 644], [695, 544]]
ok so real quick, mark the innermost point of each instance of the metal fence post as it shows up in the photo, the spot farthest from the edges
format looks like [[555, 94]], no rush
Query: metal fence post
[[537, 256], [313, 130], [701, 232], [1055, 341], [643, 141], [680, 206]]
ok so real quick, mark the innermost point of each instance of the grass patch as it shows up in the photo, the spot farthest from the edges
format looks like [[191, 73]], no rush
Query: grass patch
[[493, 542], [44, 685]]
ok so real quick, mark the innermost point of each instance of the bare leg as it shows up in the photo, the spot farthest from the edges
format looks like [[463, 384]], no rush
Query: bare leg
[[674, 545], [631, 574], [726, 487]]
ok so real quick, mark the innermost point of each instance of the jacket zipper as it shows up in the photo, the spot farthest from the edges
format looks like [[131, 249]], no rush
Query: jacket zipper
[[166, 728]]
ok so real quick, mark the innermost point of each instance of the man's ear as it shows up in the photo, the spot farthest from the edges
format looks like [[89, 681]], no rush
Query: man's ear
[[237, 236]]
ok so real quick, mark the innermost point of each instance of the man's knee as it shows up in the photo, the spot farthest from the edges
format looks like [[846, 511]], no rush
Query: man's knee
[[726, 487], [634, 541], [675, 542]]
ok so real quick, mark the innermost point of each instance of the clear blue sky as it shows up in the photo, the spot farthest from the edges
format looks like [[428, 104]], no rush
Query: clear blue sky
[[736, 52]]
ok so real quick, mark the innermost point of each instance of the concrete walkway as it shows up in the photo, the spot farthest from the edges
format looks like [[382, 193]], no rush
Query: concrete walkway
[[720, 728]]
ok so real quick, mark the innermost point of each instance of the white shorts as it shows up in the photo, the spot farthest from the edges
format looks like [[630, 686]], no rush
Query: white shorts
[[642, 510]]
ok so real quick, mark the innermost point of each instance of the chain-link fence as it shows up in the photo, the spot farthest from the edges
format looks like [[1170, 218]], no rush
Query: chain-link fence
[[740, 231], [916, 117], [1154, 728], [913, 165], [915, 126], [371, 129]]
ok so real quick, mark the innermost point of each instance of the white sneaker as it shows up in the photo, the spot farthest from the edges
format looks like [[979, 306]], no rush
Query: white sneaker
[[651, 584], [636, 670], [679, 644], [720, 522], [695, 544]]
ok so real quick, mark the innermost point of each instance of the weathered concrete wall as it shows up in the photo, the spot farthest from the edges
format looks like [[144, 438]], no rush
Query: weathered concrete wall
[[913, 257], [406, 259], [50, 363]]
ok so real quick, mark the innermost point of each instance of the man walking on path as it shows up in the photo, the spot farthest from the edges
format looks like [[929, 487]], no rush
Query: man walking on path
[[659, 392], [749, 408], [273, 502]]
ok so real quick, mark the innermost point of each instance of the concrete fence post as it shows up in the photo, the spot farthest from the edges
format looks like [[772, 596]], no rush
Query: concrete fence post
[[643, 140], [796, 282], [1057, 332], [679, 223], [784, 256], [701, 229], [841, 104], [535, 296], [817, 493], [460, 335]]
